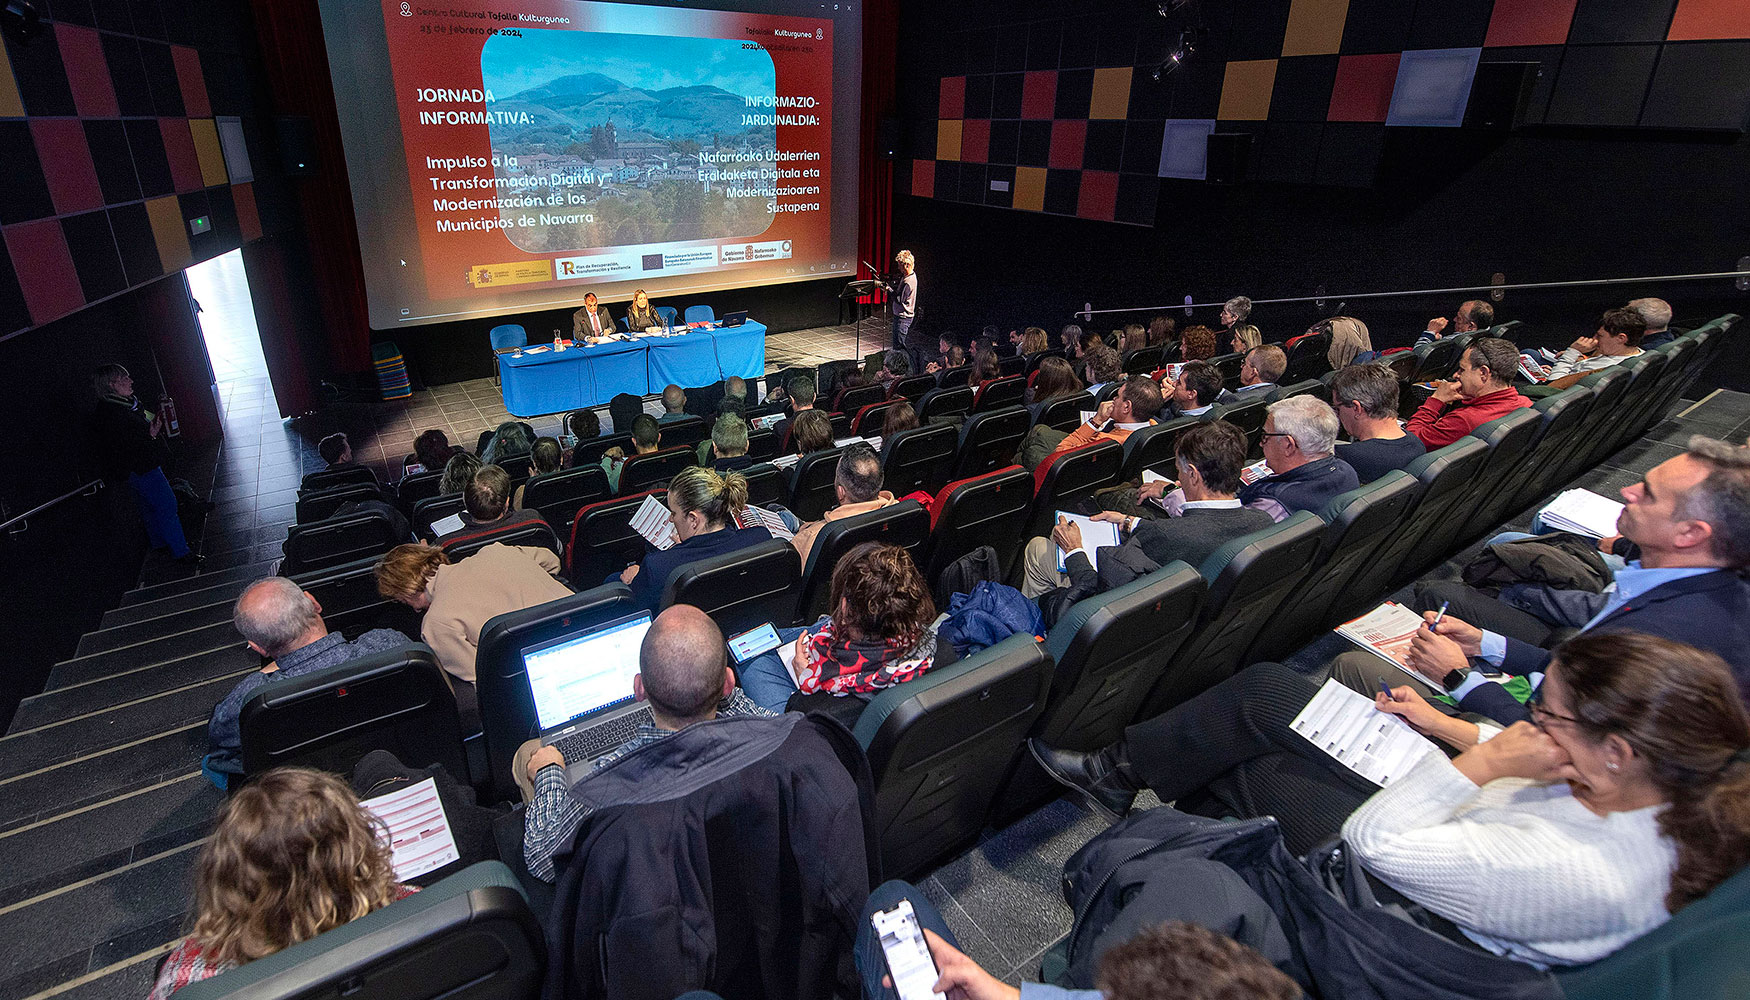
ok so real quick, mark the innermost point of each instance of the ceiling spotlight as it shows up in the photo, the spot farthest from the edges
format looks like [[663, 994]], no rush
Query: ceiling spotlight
[[20, 20], [1166, 7]]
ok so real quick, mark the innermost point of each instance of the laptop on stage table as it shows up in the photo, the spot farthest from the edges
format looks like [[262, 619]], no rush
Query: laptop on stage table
[[734, 319], [581, 685]]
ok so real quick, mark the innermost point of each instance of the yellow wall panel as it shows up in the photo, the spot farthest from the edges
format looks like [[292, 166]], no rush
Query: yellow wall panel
[[10, 104], [167, 229], [1030, 188], [948, 139], [1111, 93], [208, 151], [1315, 27], [1245, 91]]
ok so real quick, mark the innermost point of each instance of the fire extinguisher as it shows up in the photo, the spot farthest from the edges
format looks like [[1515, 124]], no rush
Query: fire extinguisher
[[167, 412]]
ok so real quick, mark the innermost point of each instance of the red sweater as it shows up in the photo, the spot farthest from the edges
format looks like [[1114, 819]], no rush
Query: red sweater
[[1439, 424]]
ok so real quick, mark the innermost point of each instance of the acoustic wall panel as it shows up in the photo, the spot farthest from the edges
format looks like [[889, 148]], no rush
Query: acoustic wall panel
[[1530, 22], [1710, 19], [1700, 85]]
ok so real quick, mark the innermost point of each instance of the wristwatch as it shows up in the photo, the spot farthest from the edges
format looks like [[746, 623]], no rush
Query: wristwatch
[[1455, 678]]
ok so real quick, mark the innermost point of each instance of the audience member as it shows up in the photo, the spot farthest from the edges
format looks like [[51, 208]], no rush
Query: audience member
[[944, 344], [1300, 434], [728, 444], [1197, 343], [801, 390], [432, 449], [1366, 400], [1132, 408], [1134, 337], [881, 632], [1471, 316], [1160, 330], [544, 457], [282, 622], [1196, 391], [581, 426], [512, 439], [641, 315], [592, 324], [460, 597], [130, 446], [1034, 340], [1100, 366], [703, 506], [985, 367], [292, 855], [735, 388], [901, 416], [486, 503], [1245, 337], [1656, 313], [1235, 310], [1618, 338], [336, 450], [1261, 370], [1208, 457], [623, 409], [857, 484], [1054, 379], [1071, 339], [810, 431], [1481, 390], [674, 404], [683, 676], [895, 365], [458, 473], [646, 438], [1350, 342], [1555, 842]]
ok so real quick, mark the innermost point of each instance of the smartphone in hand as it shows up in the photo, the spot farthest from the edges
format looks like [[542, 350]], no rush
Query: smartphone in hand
[[908, 955]]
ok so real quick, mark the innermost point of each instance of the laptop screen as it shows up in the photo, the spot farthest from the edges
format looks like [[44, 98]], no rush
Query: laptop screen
[[579, 674]]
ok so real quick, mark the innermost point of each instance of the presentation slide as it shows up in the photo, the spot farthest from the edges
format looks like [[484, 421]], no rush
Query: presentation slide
[[511, 156]]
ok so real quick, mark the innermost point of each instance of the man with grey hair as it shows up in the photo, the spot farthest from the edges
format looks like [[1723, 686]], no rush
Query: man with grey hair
[[282, 622], [904, 304], [1235, 310], [729, 444], [1300, 436], [858, 485], [1657, 313]]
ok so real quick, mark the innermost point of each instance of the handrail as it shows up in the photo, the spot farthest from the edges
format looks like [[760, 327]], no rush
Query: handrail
[[1088, 312], [86, 490]]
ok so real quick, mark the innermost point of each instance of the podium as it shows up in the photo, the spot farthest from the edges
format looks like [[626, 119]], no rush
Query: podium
[[855, 290]]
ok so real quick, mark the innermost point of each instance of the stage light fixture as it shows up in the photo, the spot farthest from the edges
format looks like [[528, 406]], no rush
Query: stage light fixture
[[20, 20]]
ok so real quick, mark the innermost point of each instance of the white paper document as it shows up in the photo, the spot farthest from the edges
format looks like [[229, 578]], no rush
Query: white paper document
[[786, 461], [445, 525], [1094, 534], [419, 833], [652, 520], [1386, 632], [1377, 745], [1089, 415], [751, 516], [768, 421], [1583, 512], [1174, 370], [1254, 472]]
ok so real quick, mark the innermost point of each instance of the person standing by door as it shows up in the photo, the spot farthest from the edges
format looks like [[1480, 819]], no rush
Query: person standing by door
[[130, 446]]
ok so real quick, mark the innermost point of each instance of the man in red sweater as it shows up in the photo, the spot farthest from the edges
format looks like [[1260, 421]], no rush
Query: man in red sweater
[[1481, 391]]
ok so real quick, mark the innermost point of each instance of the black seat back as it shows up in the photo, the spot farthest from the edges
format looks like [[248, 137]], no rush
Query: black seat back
[[1152, 448], [766, 485], [417, 487], [433, 509], [1563, 421], [1069, 476], [532, 534], [517, 467], [1141, 361], [337, 540], [321, 504], [1248, 414], [1443, 477], [684, 432], [1506, 438], [558, 495], [641, 472], [1010, 390], [350, 602], [1306, 387], [1358, 524], [1229, 367], [945, 401], [1016, 365], [1065, 412], [919, 459], [398, 700], [940, 747], [990, 439], [1498, 484], [741, 589], [1593, 445], [324, 479], [855, 398], [914, 386], [762, 444], [1307, 358], [1247, 579], [1647, 370], [589, 451], [811, 484], [989, 510], [1439, 359], [867, 421], [507, 708], [905, 524], [602, 539]]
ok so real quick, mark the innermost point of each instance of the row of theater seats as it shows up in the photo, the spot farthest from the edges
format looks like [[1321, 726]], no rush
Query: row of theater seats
[[944, 748]]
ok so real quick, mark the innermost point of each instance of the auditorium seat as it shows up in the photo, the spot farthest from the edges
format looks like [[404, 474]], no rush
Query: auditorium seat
[[940, 746], [1438, 359], [518, 468], [417, 487], [1107, 391], [431, 510], [506, 337], [350, 603], [1443, 479], [1644, 372], [1564, 420], [996, 393], [943, 402], [762, 444], [990, 439], [1593, 444], [1065, 412], [1496, 487], [1229, 367], [841, 425], [1305, 387], [811, 484], [913, 386], [507, 711], [1152, 448], [905, 524], [530, 534], [1505, 438], [685, 431], [1358, 524], [1249, 416], [337, 540], [856, 397], [742, 589], [767, 485], [1247, 580], [1016, 365], [1141, 361], [1068, 476], [1034, 359], [557, 495], [470, 936], [602, 539], [867, 421], [701, 314], [323, 479], [397, 700], [991, 509], [589, 451], [1306, 357], [321, 504], [1695, 955], [641, 472], [918, 459]]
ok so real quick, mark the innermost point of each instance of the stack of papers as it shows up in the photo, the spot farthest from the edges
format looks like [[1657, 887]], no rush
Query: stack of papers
[[1094, 534], [786, 461], [1583, 512], [420, 840], [1377, 745], [445, 525], [1254, 472], [1386, 632], [652, 520], [751, 516]]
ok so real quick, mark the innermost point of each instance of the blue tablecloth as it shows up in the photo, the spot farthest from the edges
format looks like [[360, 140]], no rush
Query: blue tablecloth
[[556, 381]]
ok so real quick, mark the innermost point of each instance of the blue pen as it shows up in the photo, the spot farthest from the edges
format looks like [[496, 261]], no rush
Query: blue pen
[[1385, 689], [1439, 615]]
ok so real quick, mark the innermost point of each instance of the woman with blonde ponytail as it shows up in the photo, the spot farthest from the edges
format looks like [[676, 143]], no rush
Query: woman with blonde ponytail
[[703, 506], [293, 855]]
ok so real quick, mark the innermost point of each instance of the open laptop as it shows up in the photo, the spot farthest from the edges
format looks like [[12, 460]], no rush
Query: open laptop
[[581, 685], [734, 319]]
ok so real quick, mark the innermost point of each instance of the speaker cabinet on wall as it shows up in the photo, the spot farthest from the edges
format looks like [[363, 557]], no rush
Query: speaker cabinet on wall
[[1500, 95], [1229, 157], [297, 145]]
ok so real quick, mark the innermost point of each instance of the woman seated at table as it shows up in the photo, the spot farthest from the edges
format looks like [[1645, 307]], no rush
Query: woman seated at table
[[702, 505], [882, 632], [293, 855], [642, 316]]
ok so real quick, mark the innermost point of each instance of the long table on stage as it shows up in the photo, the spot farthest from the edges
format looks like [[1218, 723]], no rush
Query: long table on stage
[[555, 381]]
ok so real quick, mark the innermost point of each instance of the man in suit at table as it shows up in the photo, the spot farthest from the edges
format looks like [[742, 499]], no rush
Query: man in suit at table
[[591, 323]]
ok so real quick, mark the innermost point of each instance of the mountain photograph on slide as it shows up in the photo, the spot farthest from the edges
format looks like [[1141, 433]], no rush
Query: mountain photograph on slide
[[646, 138]]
